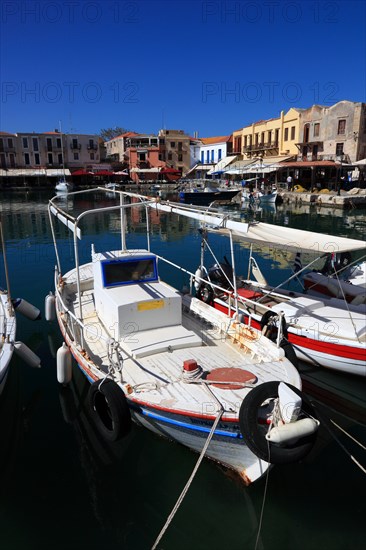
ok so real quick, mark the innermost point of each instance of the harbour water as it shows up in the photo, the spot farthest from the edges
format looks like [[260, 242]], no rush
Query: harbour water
[[62, 486]]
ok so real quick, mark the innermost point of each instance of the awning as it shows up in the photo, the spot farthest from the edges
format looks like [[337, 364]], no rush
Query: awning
[[285, 238], [57, 172], [221, 165], [82, 173], [21, 172], [103, 173], [199, 166], [239, 167], [264, 234], [361, 162], [149, 170]]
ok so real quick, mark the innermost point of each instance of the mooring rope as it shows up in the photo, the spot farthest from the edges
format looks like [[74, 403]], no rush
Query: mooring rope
[[264, 498], [324, 421], [189, 482]]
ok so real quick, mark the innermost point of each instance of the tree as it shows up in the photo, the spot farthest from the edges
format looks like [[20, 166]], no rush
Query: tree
[[109, 133]]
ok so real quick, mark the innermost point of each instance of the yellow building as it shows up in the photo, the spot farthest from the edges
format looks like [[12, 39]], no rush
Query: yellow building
[[275, 137]]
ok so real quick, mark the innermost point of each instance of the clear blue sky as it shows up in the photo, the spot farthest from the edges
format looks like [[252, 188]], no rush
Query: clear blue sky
[[206, 66]]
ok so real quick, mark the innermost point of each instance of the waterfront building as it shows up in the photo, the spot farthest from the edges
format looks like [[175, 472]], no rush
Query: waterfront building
[[28, 158], [115, 148], [335, 133], [175, 146], [145, 157], [271, 139]]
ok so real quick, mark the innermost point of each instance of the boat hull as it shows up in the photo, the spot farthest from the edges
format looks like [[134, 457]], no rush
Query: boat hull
[[227, 446], [205, 198], [323, 351]]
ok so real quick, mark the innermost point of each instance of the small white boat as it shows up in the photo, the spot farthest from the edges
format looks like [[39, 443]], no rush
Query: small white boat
[[63, 186], [257, 197], [8, 325], [170, 362], [339, 278], [325, 332]]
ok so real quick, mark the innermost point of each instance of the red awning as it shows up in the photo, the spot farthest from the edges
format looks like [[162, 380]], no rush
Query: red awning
[[169, 171], [82, 173], [103, 173]]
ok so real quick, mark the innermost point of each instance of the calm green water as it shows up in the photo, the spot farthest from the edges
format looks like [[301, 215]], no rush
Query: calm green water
[[63, 487]]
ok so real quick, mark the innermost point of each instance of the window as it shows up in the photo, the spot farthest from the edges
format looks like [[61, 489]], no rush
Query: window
[[117, 273], [256, 138], [50, 158], [341, 126], [286, 135], [180, 145], [292, 133], [339, 149], [316, 129], [1, 144], [36, 159], [12, 160], [49, 144], [58, 143], [25, 143], [26, 158], [76, 156], [10, 143], [219, 154], [91, 156], [207, 156], [212, 155], [180, 157], [75, 143], [35, 144], [2, 160], [59, 158], [170, 155], [202, 157], [172, 144]]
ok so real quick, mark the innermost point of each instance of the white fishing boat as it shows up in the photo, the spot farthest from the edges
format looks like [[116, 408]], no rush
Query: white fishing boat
[[170, 362], [62, 186], [207, 192], [340, 277], [324, 332], [8, 325], [258, 197]]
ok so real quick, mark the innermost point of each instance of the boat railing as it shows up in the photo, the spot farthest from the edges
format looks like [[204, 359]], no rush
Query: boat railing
[[234, 299]]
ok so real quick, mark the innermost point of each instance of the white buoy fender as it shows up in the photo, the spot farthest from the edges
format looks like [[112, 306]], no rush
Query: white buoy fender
[[197, 283], [27, 354], [64, 364], [26, 309], [289, 433], [49, 307]]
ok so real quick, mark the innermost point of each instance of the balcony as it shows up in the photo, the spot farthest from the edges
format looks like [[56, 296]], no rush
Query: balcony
[[75, 146], [92, 147]]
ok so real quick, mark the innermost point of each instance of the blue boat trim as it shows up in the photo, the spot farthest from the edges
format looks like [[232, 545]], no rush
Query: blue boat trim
[[188, 426]]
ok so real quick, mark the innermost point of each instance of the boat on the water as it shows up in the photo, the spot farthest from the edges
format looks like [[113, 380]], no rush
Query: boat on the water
[[63, 186], [340, 277], [161, 357], [8, 324], [329, 333], [258, 197], [207, 192]]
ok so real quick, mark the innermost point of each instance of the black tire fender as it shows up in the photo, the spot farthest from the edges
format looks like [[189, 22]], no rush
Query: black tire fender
[[269, 316], [205, 293], [254, 433], [109, 409]]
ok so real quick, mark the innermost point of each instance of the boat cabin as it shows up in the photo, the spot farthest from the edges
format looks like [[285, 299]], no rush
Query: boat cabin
[[135, 306]]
